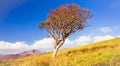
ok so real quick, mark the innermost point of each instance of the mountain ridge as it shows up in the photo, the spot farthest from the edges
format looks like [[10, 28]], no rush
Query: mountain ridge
[[7, 57]]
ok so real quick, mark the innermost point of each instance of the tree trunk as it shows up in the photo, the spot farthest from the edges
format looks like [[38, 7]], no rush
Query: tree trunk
[[56, 49], [55, 52]]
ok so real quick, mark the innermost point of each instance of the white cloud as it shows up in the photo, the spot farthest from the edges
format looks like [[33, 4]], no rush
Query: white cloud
[[117, 27], [105, 29], [44, 43], [7, 47], [118, 36], [17, 45], [101, 38], [83, 40], [47, 44]]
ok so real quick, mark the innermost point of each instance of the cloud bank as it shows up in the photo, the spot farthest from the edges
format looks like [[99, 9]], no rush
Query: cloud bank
[[46, 44], [105, 29]]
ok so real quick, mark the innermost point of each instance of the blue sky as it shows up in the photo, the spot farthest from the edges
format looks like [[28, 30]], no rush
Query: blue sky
[[19, 19]]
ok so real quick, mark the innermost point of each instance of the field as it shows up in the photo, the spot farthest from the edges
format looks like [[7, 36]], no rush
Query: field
[[104, 53]]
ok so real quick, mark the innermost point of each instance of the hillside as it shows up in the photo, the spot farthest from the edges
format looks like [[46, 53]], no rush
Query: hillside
[[105, 53], [4, 58]]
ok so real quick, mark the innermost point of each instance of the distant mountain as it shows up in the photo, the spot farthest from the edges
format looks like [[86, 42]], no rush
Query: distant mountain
[[7, 57], [31, 52]]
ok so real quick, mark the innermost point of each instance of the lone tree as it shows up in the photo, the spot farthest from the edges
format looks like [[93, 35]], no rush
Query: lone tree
[[64, 21]]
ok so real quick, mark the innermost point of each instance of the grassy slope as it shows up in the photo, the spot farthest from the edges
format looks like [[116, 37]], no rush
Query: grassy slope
[[105, 53]]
